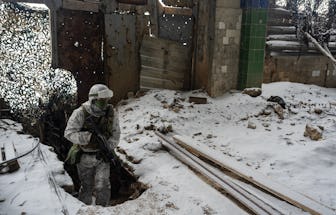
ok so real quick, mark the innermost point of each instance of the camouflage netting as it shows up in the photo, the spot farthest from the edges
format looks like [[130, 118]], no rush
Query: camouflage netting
[[27, 81]]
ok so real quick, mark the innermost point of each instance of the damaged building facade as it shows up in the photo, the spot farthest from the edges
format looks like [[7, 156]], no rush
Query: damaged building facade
[[144, 44], [180, 45]]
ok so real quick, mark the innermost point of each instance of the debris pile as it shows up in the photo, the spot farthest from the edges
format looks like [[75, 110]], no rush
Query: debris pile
[[253, 92], [313, 132], [26, 78]]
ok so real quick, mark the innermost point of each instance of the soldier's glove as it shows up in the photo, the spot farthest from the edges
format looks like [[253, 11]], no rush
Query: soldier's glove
[[94, 138]]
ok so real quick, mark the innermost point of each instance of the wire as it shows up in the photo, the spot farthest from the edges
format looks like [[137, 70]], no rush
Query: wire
[[20, 156]]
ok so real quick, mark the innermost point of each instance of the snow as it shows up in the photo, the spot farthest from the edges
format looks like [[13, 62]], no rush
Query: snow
[[276, 148]]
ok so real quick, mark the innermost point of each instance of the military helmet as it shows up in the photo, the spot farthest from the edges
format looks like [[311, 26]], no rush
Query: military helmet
[[100, 91]]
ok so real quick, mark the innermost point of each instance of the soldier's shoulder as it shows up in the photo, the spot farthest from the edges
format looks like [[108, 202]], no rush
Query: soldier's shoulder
[[79, 111]]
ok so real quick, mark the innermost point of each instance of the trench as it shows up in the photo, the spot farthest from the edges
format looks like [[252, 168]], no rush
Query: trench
[[124, 183]]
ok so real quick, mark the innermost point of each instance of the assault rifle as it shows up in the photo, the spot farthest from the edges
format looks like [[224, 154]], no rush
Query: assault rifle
[[107, 154]]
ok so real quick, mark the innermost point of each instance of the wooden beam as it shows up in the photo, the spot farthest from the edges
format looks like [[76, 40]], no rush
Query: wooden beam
[[203, 43], [282, 192], [281, 30], [292, 45], [164, 9], [81, 5], [154, 22], [9, 151], [220, 181], [198, 100]]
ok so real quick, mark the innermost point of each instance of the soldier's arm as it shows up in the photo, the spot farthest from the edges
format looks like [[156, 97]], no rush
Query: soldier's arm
[[113, 140], [73, 131]]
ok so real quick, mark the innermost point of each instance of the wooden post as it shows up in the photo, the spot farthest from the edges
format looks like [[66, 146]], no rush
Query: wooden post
[[153, 17], [204, 34]]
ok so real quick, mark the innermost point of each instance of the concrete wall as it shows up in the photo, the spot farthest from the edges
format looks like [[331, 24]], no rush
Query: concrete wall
[[316, 70], [225, 64]]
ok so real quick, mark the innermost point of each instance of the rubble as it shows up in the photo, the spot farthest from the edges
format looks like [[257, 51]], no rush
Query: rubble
[[251, 125], [313, 132], [279, 111], [253, 92]]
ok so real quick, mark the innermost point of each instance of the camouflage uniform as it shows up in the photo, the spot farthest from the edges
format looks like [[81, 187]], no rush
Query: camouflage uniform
[[93, 171]]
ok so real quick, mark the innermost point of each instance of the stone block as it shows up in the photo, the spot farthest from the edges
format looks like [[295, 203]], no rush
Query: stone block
[[225, 40], [221, 25]]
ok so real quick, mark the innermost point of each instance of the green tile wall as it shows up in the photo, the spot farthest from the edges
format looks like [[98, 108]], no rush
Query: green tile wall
[[253, 33]]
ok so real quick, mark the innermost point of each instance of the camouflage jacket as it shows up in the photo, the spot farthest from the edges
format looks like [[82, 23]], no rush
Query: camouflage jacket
[[80, 123]]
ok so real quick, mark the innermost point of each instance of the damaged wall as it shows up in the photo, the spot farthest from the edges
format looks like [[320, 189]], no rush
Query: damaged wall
[[225, 64], [316, 70]]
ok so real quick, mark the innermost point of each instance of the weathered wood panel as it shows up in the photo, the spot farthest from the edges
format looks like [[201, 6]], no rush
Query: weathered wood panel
[[159, 73], [164, 9], [81, 5], [165, 64], [179, 3], [150, 82], [79, 41], [281, 30], [205, 33], [153, 18], [121, 54]]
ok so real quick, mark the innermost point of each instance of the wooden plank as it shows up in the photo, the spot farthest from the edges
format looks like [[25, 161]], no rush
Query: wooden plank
[[10, 154], [206, 172], [152, 5], [162, 48], [164, 45], [81, 5], [281, 30], [287, 194], [292, 45], [197, 100], [283, 37], [204, 33], [179, 3], [163, 63], [164, 52], [279, 12], [164, 9], [280, 22], [163, 74], [160, 83], [167, 59]]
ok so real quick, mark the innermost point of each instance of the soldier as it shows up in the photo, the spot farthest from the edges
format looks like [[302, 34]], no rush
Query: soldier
[[92, 163]]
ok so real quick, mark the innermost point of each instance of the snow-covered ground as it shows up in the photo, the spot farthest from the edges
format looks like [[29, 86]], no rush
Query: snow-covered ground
[[276, 148]]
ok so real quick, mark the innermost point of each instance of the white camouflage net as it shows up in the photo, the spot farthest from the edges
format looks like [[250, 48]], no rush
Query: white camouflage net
[[27, 81]]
